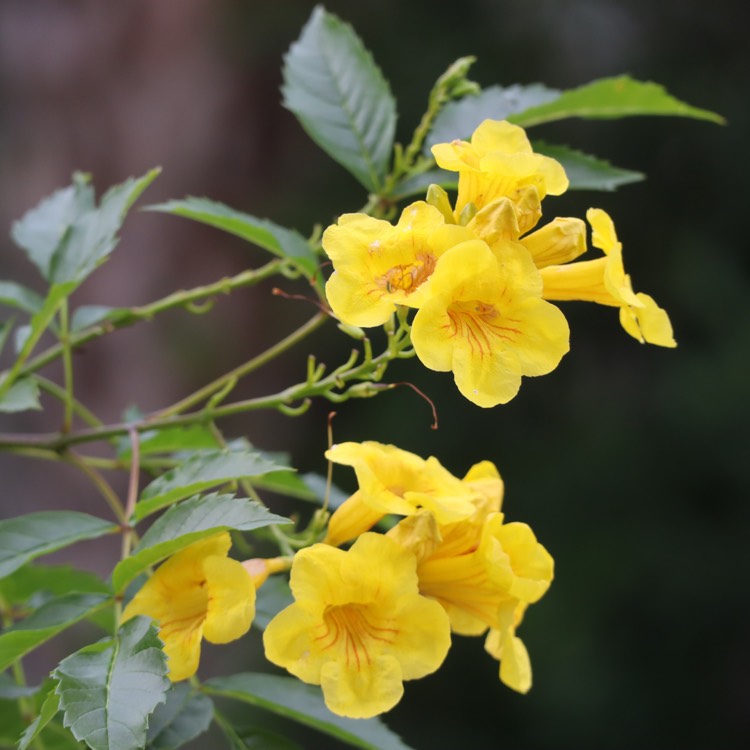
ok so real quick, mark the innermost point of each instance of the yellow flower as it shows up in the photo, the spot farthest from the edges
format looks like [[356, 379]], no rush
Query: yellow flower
[[392, 480], [378, 266], [504, 645], [498, 162], [198, 593], [485, 320], [604, 281], [358, 627]]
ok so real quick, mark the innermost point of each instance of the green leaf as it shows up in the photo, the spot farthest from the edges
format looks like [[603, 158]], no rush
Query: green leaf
[[265, 739], [27, 537], [318, 483], [171, 440], [610, 98], [45, 623], [11, 723], [184, 716], [418, 184], [282, 242], [195, 519], [49, 710], [42, 229], [5, 328], [200, 472], [38, 325], [91, 315], [108, 690], [340, 97], [272, 597], [459, 119], [10, 690], [286, 483], [19, 297], [42, 582], [587, 172], [287, 696], [21, 396]]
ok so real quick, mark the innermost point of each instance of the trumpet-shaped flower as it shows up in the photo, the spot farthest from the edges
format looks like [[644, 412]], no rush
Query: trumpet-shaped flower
[[395, 481], [604, 281], [358, 626], [485, 320], [198, 593], [378, 266], [474, 568], [498, 162]]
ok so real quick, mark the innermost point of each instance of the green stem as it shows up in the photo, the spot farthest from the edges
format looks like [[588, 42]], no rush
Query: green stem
[[373, 368], [244, 369], [78, 408], [146, 312], [67, 367], [100, 483], [135, 470]]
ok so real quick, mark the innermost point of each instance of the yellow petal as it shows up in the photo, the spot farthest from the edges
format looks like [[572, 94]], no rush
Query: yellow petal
[[362, 694], [560, 241], [289, 641], [515, 666], [231, 600], [352, 518], [649, 323]]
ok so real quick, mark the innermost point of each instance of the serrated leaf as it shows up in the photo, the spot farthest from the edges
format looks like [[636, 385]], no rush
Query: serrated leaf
[[46, 622], [194, 519], [282, 242], [340, 97], [287, 696], [271, 598], [609, 98], [170, 440], [184, 716], [48, 711], [587, 172], [286, 483], [18, 296], [25, 538], [91, 315], [200, 472], [23, 395], [93, 235], [39, 323], [41, 582], [42, 229], [459, 119], [108, 690]]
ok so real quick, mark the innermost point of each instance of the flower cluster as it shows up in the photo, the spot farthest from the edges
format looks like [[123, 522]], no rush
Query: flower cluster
[[479, 274], [367, 618]]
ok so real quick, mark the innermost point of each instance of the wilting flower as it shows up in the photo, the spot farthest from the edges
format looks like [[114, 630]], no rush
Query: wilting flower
[[497, 163], [604, 281], [485, 320], [358, 627], [198, 593], [395, 481], [378, 265]]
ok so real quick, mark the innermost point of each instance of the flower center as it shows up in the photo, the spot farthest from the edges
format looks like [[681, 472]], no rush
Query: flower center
[[356, 632], [408, 277], [481, 325]]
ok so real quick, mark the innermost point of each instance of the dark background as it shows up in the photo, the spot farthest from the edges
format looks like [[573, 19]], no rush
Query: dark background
[[628, 461]]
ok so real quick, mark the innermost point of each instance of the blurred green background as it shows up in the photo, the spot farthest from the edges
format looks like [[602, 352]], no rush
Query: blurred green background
[[629, 462]]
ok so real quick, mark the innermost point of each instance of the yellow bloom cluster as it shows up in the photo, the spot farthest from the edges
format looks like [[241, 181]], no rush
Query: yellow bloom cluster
[[479, 278], [368, 618]]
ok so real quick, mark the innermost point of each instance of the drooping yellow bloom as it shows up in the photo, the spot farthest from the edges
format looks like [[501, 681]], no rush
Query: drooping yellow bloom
[[498, 162], [198, 593], [358, 627], [485, 320], [378, 266], [504, 645], [395, 481], [604, 281]]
